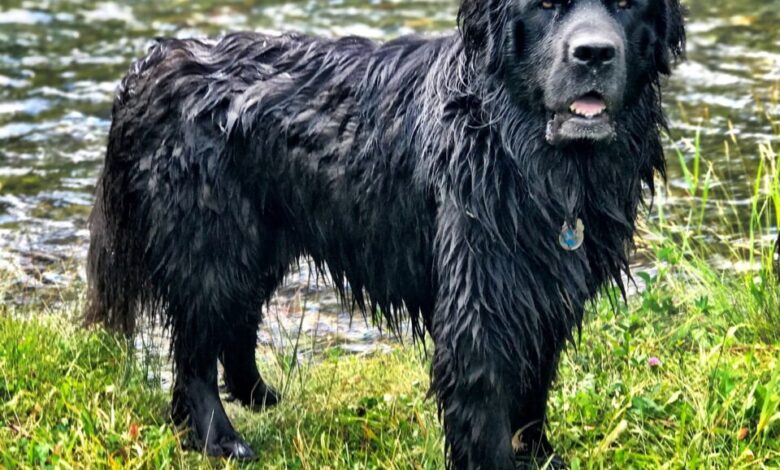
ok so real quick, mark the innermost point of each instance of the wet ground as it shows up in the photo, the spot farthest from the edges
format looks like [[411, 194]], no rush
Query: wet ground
[[60, 61]]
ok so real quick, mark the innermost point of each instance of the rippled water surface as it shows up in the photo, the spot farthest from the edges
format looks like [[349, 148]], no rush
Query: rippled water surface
[[60, 61]]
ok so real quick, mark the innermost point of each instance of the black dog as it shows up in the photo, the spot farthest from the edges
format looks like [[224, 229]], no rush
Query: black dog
[[486, 183]]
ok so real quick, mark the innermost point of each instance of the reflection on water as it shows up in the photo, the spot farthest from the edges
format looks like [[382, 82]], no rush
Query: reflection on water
[[60, 61]]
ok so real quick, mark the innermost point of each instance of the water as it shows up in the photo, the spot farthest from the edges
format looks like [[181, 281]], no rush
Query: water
[[728, 90], [60, 61]]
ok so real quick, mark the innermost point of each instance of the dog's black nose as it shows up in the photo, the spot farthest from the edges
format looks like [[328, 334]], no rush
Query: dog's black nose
[[593, 52]]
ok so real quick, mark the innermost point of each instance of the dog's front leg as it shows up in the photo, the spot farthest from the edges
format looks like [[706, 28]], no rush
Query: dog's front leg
[[473, 374], [473, 405], [498, 336]]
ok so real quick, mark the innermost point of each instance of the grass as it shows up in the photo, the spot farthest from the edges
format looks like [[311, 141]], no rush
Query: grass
[[686, 374], [71, 397]]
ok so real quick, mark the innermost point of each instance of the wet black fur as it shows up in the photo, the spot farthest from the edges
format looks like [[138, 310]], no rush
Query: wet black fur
[[416, 171]]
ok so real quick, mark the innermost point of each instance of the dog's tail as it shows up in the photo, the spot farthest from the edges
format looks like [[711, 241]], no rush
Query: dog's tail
[[115, 292], [114, 261], [113, 283]]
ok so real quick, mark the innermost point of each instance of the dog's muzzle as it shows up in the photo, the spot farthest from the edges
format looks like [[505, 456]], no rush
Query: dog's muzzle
[[587, 82]]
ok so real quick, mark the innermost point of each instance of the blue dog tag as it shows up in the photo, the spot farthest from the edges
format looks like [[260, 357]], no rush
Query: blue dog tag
[[571, 238]]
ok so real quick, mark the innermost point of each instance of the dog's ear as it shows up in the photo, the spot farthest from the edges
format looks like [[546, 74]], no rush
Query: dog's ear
[[671, 35], [482, 25]]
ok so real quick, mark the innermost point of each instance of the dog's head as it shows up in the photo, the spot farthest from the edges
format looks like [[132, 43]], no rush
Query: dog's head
[[580, 62]]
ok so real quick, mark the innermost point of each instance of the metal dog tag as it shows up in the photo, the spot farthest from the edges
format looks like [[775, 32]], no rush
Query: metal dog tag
[[571, 238]]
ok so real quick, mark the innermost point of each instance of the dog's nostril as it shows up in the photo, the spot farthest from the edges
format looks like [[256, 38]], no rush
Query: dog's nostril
[[595, 53], [607, 53], [583, 54]]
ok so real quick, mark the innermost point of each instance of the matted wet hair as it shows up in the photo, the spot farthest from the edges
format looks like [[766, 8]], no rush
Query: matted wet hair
[[407, 171]]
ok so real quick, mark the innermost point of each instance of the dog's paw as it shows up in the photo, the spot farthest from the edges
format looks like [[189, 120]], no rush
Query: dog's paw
[[268, 399], [229, 447], [259, 400], [234, 448], [255, 398]]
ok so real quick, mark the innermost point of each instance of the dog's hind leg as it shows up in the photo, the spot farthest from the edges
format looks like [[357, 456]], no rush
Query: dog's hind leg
[[198, 336], [242, 378], [211, 287]]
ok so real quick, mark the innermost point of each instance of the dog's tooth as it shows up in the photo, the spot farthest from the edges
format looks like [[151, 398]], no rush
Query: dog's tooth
[[588, 114]]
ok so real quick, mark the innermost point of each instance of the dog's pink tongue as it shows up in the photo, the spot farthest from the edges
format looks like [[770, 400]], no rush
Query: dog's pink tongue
[[588, 106]]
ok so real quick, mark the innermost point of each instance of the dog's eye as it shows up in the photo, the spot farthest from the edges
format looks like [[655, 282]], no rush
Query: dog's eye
[[624, 4], [552, 4]]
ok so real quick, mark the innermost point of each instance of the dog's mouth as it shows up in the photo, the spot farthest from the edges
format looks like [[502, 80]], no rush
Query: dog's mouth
[[589, 106], [586, 117]]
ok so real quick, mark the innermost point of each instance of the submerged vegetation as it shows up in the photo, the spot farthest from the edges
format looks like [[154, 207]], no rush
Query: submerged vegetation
[[685, 374]]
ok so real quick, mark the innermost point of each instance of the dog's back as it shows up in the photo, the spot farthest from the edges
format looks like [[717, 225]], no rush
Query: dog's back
[[256, 150]]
